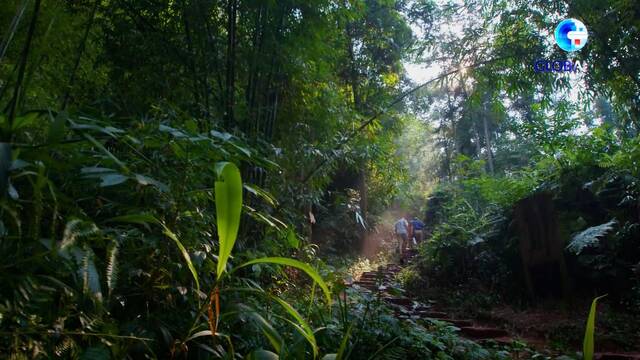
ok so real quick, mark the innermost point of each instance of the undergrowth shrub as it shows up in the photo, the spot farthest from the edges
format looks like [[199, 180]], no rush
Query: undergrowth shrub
[[595, 185]]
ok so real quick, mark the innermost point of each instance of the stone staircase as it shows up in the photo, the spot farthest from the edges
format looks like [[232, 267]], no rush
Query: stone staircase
[[383, 280]]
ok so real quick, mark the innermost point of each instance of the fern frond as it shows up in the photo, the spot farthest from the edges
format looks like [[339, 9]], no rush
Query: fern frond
[[23, 294], [75, 229], [112, 267], [66, 346], [14, 216], [89, 274], [18, 356], [590, 236]]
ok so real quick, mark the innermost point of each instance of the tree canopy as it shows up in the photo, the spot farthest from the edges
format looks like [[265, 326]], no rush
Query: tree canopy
[[188, 178]]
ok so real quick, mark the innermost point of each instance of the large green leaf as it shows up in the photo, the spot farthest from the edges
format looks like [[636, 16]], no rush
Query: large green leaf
[[301, 326], [306, 330], [343, 347], [112, 179], [588, 344], [199, 334], [343, 343], [269, 331], [96, 353], [262, 355], [26, 120], [228, 194], [184, 252], [262, 193], [313, 274], [140, 219], [108, 153], [56, 130]]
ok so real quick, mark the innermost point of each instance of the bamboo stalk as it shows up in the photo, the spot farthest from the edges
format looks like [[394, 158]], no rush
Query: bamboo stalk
[[12, 29], [81, 48], [23, 65]]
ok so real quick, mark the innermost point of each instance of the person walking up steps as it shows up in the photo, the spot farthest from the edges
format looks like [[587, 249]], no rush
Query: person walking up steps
[[401, 229], [418, 229]]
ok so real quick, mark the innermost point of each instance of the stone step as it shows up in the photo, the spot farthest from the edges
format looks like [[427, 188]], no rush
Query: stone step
[[431, 314], [483, 332], [368, 277], [502, 340], [456, 322], [366, 284], [371, 278], [376, 274], [421, 307], [367, 280], [399, 301]]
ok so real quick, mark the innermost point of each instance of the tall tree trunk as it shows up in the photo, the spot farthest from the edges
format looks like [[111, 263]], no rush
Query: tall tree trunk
[[476, 135], [81, 48], [353, 70], [487, 140], [364, 196], [354, 79], [211, 53], [192, 63], [256, 89], [232, 9]]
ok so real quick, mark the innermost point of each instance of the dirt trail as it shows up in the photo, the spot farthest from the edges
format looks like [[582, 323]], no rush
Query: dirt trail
[[406, 308]]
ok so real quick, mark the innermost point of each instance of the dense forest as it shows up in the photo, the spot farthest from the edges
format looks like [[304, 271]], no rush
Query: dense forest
[[199, 179]]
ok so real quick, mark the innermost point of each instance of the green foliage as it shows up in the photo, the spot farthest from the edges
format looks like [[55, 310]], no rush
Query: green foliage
[[595, 190], [138, 136], [590, 236], [145, 219], [228, 197], [296, 264], [370, 331], [587, 347]]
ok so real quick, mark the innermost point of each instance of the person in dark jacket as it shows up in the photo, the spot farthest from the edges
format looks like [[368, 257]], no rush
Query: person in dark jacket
[[418, 229]]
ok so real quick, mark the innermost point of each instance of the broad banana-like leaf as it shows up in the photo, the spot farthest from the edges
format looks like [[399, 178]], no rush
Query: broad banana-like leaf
[[228, 196], [313, 274]]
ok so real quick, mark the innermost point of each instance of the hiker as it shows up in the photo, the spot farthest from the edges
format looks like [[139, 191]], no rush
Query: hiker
[[418, 229], [401, 228]]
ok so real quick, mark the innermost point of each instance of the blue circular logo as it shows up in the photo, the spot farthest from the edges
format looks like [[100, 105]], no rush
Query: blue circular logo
[[571, 35]]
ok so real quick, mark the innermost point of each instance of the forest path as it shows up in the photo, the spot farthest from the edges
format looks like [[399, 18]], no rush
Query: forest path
[[482, 332]]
